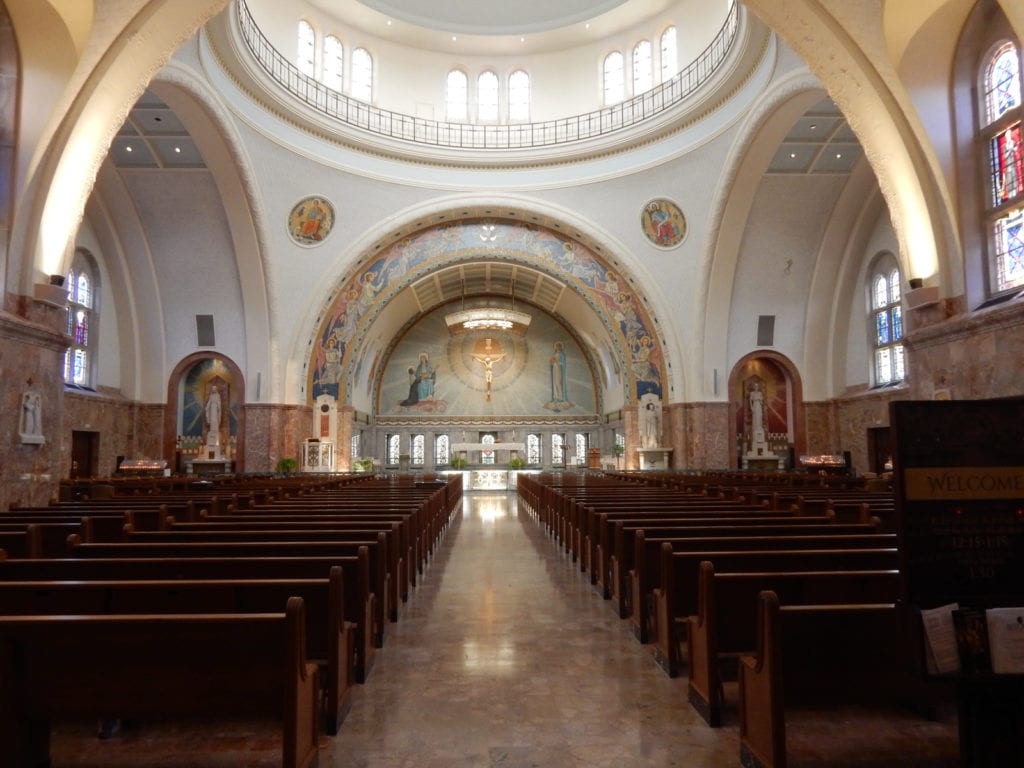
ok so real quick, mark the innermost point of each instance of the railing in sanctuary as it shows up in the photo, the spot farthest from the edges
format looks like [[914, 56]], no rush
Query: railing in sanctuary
[[396, 125]]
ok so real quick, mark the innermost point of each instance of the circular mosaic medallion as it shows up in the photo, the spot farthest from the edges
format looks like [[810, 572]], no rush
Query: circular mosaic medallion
[[663, 223], [311, 220]]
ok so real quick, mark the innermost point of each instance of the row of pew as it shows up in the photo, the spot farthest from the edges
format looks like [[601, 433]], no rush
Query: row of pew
[[256, 604], [750, 583]]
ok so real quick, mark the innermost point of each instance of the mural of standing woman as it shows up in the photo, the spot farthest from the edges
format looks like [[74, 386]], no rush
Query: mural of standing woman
[[558, 377], [426, 376]]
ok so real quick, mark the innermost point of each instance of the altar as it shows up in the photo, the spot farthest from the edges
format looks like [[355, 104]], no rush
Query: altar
[[655, 458], [508, 449]]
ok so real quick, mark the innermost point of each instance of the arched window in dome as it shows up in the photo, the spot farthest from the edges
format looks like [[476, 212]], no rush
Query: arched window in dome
[[334, 62], [1002, 136], [487, 97], [643, 74], [669, 55], [362, 75], [885, 296], [519, 96], [305, 58], [614, 78], [82, 316], [456, 95]]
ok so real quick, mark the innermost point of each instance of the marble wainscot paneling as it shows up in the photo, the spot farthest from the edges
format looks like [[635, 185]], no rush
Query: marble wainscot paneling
[[822, 431], [673, 434], [125, 429], [274, 432], [32, 344], [856, 415], [706, 440], [979, 355]]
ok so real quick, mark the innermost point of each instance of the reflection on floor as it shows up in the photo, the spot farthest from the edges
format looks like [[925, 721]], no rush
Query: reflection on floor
[[506, 656]]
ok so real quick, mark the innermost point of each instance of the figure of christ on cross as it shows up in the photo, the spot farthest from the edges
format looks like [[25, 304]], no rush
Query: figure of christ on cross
[[488, 354]]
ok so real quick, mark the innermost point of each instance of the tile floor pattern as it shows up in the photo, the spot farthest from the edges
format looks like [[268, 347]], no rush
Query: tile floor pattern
[[505, 657]]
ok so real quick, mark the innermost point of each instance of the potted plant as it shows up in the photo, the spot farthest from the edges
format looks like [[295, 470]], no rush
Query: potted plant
[[286, 465], [516, 462], [618, 450], [362, 465], [458, 462]]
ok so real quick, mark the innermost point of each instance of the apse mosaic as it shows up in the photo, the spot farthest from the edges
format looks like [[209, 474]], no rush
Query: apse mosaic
[[351, 310], [486, 373]]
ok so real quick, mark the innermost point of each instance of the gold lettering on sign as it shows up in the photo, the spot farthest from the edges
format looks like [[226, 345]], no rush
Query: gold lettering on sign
[[937, 483]]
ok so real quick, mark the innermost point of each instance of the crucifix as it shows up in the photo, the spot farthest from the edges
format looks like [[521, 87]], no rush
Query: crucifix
[[488, 354]]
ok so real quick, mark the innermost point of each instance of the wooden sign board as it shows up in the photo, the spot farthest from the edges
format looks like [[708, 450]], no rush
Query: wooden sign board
[[959, 480]]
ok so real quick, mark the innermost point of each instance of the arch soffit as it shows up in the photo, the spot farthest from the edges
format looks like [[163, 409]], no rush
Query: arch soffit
[[846, 49], [768, 123], [72, 148], [537, 241]]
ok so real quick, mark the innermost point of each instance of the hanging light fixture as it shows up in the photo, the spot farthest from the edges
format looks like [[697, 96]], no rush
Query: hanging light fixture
[[488, 318]]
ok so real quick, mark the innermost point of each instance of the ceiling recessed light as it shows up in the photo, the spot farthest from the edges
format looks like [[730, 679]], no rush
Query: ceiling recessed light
[[814, 126], [839, 155], [178, 150], [792, 155], [588, 25], [128, 149], [454, 38], [389, 22], [522, 39]]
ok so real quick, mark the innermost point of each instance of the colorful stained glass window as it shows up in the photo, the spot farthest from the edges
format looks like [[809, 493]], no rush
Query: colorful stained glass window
[[1006, 161], [887, 311], [82, 311]]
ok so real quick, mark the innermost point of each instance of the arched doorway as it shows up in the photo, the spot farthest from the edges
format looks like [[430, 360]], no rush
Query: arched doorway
[[766, 412]]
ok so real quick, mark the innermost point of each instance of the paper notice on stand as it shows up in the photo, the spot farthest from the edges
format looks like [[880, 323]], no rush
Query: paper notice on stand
[[1006, 639], [941, 654]]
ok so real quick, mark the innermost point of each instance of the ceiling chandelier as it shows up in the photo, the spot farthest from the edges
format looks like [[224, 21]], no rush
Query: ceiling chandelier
[[488, 318]]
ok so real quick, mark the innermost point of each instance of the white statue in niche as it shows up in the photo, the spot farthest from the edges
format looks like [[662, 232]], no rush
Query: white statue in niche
[[213, 414], [32, 418], [650, 421]]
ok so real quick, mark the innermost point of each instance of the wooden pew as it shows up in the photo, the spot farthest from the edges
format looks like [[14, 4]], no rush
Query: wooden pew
[[25, 542], [676, 598], [358, 601], [725, 625], [816, 654], [377, 547], [146, 666], [329, 638]]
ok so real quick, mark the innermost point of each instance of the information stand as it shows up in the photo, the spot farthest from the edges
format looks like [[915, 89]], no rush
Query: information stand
[[959, 480]]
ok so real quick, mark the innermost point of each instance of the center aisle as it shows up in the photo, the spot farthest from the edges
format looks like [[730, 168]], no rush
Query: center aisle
[[505, 656]]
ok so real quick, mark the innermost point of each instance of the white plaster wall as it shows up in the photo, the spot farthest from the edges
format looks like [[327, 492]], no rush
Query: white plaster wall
[[567, 82], [193, 259]]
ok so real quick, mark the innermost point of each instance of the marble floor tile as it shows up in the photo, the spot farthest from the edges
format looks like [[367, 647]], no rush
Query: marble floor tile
[[506, 657]]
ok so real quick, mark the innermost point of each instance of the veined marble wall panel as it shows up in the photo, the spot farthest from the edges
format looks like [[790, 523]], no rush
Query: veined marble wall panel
[[124, 428], [707, 439], [274, 432], [856, 415]]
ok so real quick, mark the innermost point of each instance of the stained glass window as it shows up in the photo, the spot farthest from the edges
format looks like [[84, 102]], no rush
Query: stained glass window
[[643, 77], [362, 75], [355, 446], [442, 453], [487, 456], [394, 445], [886, 294], [1002, 82], [82, 314], [614, 78], [533, 449], [1006, 161], [519, 96], [558, 449], [669, 55], [334, 62], [306, 57], [487, 97], [582, 441], [416, 449], [456, 95], [1009, 248]]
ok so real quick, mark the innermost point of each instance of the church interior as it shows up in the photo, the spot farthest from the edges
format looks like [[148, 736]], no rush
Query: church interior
[[253, 239]]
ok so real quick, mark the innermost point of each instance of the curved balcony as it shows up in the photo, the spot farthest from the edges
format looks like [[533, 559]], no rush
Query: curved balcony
[[394, 126]]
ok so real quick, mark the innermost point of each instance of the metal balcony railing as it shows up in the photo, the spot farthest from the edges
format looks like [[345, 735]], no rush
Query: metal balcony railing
[[548, 133]]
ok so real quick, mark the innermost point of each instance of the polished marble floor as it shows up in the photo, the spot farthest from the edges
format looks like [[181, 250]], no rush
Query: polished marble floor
[[505, 657]]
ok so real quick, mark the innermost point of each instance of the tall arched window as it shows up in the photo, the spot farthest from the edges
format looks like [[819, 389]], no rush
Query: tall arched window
[[362, 75], [557, 449], [417, 448], [392, 449], [887, 323], [334, 62], [643, 75], [1001, 135], [614, 79], [582, 443], [305, 58], [83, 313], [533, 448], [456, 95], [442, 453], [519, 96], [487, 97], [669, 55]]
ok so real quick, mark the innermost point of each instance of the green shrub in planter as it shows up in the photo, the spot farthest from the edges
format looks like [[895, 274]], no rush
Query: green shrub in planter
[[286, 465], [458, 462], [516, 462]]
